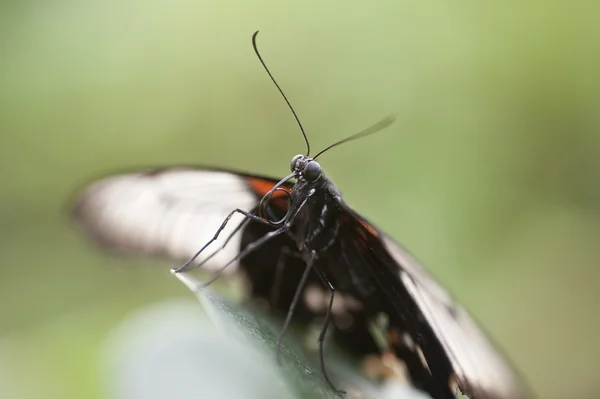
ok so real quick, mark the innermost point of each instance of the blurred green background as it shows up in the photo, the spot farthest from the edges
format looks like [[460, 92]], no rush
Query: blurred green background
[[489, 175]]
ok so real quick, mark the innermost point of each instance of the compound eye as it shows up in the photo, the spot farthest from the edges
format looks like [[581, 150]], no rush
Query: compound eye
[[312, 171], [295, 162]]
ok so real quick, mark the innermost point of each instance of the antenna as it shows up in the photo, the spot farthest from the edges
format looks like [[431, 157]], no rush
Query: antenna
[[280, 91], [382, 124]]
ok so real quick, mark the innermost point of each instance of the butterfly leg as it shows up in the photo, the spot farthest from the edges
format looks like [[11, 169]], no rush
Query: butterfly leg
[[252, 246], [297, 295], [324, 328], [249, 248], [299, 291], [188, 265], [233, 233], [284, 254]]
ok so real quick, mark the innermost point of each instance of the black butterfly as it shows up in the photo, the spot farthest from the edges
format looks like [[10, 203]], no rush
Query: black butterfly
[[295, 235]]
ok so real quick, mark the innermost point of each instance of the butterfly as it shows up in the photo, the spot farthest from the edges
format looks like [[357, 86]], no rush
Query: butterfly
[[305, 251]]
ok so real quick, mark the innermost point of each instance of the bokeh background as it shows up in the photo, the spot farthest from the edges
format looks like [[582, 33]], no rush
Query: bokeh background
[[490, 174]]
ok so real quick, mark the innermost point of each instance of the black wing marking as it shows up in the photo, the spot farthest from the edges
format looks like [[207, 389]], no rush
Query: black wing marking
[[453, 345]]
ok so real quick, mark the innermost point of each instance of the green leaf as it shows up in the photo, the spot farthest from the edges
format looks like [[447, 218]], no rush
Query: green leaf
[[297, 376]]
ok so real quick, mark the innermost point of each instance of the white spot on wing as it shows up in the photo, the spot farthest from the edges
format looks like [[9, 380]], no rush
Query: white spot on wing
[[172, 212], [408, 341], [317, 300], [479, 368], [314, 298]]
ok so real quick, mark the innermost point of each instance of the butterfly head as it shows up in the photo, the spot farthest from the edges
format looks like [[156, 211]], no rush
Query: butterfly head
[[306, 168]]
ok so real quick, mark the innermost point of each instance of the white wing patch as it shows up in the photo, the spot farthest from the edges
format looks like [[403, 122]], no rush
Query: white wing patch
[[173, 212], [480, 369]]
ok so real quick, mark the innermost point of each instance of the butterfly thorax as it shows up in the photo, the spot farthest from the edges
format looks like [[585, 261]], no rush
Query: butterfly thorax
[[317, 221]]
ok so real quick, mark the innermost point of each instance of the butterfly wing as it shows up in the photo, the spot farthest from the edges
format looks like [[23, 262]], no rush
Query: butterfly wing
[[169, 212], [452, 344]]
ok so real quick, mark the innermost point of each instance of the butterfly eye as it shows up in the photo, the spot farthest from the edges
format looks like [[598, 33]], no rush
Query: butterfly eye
[[312, 171], [295, 160]]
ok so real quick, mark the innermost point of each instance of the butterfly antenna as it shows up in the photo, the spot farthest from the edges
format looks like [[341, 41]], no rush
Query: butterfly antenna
[[382, 124], [280, 91]]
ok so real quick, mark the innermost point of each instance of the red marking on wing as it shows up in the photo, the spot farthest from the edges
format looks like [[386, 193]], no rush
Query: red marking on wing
[[261, 187], [364, 229], [372, 230]]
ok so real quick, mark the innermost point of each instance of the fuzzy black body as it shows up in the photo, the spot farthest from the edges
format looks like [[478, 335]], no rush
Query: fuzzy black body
[[317, 222]]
